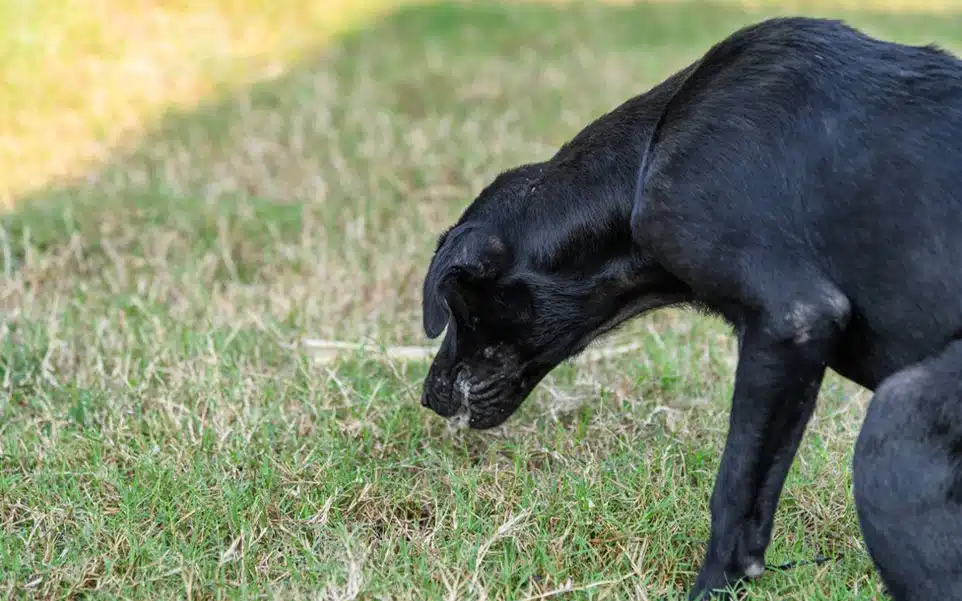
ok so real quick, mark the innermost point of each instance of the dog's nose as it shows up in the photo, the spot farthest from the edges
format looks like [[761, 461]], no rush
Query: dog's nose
[[424, 397]]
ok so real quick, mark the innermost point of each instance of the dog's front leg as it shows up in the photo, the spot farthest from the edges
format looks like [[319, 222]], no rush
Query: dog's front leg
[[782, 358]]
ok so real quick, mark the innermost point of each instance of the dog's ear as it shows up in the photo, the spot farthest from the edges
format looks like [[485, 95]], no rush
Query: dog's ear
[[465, 255]]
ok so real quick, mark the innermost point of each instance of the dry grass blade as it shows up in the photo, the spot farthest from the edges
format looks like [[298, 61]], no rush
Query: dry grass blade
[[571, 588], [328, 351]]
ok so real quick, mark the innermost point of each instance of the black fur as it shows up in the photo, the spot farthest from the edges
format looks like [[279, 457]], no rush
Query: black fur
[[801, 180]]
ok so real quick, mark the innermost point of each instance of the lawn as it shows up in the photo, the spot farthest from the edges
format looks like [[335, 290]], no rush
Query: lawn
[[164, 433]]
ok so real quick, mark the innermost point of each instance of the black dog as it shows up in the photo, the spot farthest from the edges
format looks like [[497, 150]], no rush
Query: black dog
[[803, 181]]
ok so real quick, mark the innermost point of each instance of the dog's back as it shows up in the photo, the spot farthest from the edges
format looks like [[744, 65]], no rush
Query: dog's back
[[835, 149]]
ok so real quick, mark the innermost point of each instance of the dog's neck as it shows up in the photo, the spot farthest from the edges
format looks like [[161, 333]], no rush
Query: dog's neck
[[582, 197], [580, 202]]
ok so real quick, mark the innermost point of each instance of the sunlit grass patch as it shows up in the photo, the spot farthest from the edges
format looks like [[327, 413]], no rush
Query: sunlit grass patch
[[81, 78]]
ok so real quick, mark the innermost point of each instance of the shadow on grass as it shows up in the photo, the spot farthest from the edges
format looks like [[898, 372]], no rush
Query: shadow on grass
[[334, 144]]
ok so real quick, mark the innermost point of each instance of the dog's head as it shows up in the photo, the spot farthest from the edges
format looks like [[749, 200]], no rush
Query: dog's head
[[539, 265]]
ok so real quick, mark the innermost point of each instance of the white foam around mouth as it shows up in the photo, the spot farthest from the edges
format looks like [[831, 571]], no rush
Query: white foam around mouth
[[461, 419], [464, 387]]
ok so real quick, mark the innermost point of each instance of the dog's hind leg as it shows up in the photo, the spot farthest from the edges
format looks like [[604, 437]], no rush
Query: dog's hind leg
[[907, 473]]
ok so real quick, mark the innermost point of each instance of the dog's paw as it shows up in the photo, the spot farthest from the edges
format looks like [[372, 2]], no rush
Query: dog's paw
[[755, 568], [717, 584]]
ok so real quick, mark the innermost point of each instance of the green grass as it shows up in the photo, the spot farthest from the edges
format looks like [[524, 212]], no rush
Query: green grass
[[164, 435]]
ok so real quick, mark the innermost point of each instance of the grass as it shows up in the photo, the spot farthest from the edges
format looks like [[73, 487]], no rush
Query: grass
[[163, 435], [82, 77]]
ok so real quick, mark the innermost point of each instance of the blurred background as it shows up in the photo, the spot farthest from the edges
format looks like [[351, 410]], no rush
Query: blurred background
[[190, 188]]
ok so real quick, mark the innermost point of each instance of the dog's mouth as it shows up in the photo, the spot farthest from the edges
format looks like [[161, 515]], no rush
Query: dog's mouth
[[489, 402], [481, 395], [485, 402], [462, 418]]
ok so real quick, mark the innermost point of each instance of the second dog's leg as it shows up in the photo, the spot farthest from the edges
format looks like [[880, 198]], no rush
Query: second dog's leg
[[782, 358], [907, 476]]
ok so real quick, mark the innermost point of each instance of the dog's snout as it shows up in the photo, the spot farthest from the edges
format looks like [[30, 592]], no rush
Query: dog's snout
[[437, 397]]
